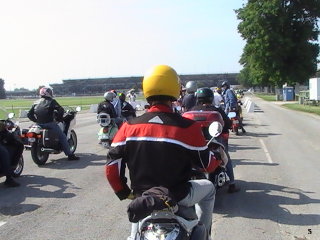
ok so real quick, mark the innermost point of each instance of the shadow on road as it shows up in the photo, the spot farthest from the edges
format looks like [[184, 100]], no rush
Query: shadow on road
[[259, 135], [236, 162], [86, 159], [258, 200], [236, 147], [12, 199]]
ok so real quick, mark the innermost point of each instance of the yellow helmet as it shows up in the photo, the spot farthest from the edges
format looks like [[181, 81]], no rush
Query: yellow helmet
[[161, 80]]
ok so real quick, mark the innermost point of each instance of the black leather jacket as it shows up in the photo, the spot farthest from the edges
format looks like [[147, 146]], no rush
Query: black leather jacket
[[45, 110], [107, 107]]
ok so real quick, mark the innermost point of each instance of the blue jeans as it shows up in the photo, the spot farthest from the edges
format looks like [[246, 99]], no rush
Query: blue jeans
[[229, 164], [202, 195], [5, 161], [62, 137]]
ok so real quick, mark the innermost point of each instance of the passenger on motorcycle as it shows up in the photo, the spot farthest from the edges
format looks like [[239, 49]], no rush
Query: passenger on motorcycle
[[127, 111], [189, 100], [158, 151], [217, 97], [117, 107], [204, 103], [10, 152], [44, 112], [231, 102]]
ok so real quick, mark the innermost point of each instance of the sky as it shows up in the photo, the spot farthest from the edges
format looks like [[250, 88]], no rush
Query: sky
[[47, 41]]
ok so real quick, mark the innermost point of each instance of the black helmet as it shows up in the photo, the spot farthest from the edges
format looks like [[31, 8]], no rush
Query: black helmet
[[225, 84], [204, 95]]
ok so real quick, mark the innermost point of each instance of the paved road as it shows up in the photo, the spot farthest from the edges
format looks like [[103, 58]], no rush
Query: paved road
[[276, 164]]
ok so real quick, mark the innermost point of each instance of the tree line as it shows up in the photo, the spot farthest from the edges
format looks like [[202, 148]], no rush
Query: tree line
[[281, 41]]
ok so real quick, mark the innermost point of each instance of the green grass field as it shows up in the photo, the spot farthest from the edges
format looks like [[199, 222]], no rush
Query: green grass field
[[15, 105], [266, 97], [303, 108]]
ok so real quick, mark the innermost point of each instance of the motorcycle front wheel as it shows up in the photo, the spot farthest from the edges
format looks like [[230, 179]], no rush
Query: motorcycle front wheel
[[38, 156], [19, 168]]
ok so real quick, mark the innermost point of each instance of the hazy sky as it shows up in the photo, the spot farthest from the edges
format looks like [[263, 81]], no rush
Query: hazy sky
[[46, 41]]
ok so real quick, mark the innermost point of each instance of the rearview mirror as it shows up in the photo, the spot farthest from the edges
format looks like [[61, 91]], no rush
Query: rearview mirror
[[78, 109], [215, 129], [10, 115]]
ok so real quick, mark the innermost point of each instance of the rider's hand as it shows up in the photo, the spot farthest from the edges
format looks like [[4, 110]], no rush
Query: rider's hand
[[130, 196]]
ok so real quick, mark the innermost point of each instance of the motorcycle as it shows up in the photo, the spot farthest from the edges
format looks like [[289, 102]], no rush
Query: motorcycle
[[175, 223], [107, 131], [208, 119], [235, 122], [43, 142], [13, 127]]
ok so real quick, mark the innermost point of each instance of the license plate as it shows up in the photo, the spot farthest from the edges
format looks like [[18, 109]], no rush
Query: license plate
[[32, 140], [235, 122]]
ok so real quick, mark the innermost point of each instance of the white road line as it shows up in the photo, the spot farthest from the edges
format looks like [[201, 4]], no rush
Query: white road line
[[266, 150], [2, 223]]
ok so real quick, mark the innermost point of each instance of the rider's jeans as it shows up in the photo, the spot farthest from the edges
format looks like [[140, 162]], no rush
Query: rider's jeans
[[202, 195], [62, 137], [229, 164]]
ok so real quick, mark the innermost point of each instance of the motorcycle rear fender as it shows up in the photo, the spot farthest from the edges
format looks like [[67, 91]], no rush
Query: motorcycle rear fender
[[188, 225]]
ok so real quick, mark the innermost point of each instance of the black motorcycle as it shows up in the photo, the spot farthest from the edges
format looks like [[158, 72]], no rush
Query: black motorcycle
[[13, 128]]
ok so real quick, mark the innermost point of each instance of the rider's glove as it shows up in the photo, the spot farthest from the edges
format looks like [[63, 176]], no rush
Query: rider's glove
[[130, 196]]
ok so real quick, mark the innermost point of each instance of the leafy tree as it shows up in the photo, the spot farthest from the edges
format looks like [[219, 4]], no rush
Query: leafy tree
[[281, 40], [2, 90], [20, 89]]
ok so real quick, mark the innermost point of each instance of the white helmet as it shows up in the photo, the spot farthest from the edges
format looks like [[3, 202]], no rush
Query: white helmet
[[109, 96], [191, 87]]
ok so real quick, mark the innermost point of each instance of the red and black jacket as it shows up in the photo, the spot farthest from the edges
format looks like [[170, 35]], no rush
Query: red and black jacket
[[159, 148]]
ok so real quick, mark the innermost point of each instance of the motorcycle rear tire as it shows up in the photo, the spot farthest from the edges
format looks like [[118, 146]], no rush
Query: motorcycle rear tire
[[236, 130], [39, 157], [73, 141], [19, 168]]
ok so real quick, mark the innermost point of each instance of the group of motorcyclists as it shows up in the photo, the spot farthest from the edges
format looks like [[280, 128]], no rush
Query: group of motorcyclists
[[160, 147]]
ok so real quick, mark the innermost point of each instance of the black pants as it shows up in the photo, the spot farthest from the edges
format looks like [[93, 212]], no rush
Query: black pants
[[15, 151], [5, 161]]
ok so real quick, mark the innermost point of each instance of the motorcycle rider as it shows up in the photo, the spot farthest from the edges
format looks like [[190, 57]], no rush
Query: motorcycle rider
[[189, 100], [106, 106], [204, 102], [44, 112], [127, 111], [10, 152], [158, 151], [231, 102]]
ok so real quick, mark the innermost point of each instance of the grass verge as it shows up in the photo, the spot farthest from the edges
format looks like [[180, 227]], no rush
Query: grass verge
[[266, 97], [303, 108]]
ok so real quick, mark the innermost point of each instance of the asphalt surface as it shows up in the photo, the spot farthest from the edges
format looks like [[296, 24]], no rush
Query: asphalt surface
[[276, 164]]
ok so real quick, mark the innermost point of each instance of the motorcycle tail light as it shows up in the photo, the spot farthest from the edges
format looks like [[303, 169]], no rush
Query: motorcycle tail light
[[31, 135], [105, 130]]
